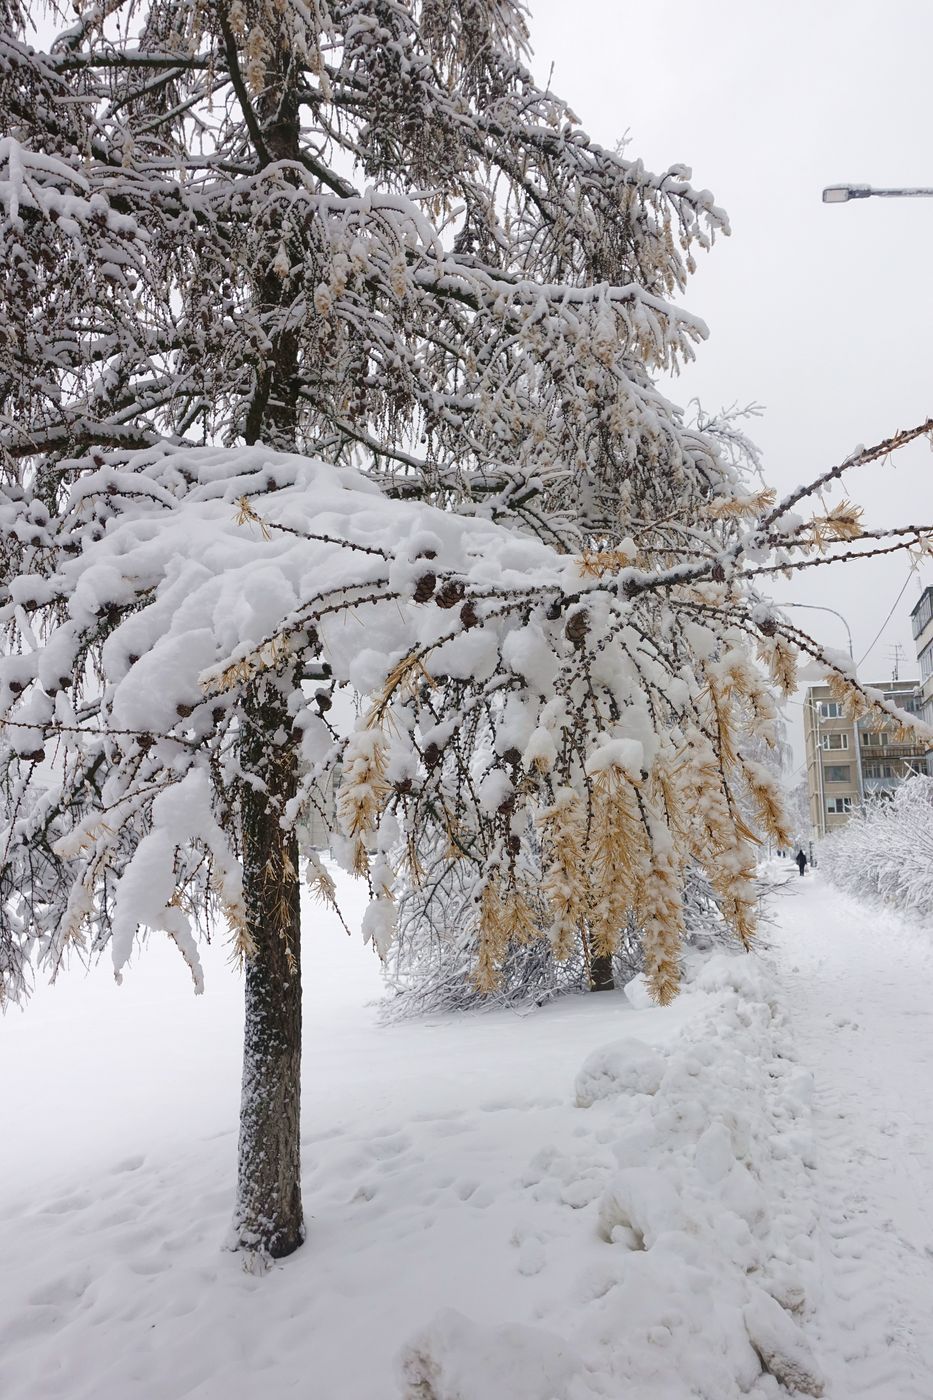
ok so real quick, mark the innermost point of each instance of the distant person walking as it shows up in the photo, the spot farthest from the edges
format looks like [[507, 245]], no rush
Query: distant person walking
[[801, 862]]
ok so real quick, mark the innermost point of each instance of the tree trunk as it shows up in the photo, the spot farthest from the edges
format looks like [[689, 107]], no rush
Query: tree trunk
[[601, 978], [268, 1217]]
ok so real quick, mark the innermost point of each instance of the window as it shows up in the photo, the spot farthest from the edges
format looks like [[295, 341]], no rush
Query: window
[[879, 770], [834, 741], [926, 662], [923, 613], [838, 773], [875, 741], [839, 805], [830, 709]]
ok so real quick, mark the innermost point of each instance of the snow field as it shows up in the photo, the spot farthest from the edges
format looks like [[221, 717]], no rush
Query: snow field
[[474, 1232]]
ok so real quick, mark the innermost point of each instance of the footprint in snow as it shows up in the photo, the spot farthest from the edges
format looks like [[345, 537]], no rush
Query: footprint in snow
[[389, 1145], [532, 1255], [148, 1268], [129, 1164], [65, 1205], [59, 1292], [532, 1258], [471, 1191], [450, 1127]]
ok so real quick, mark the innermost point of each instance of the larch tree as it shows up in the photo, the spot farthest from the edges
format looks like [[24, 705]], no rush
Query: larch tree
[[318, 314]]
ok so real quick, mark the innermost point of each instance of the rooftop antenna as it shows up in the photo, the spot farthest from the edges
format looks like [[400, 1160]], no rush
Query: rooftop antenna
[[895, 652]]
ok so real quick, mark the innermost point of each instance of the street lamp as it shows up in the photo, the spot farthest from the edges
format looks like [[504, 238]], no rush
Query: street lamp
[[821, 607], [841, 194]]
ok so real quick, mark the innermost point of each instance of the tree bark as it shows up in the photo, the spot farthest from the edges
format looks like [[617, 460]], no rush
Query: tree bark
[[268, 1216], [601, 978]]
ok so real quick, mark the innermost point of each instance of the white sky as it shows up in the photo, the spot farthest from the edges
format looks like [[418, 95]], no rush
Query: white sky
[[821, 313]]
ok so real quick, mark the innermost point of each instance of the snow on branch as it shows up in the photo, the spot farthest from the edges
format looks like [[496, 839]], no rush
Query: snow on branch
[[518, 698]]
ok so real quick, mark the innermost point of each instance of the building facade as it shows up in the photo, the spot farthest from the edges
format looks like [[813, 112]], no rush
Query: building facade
[[921, 622], [849, 762]]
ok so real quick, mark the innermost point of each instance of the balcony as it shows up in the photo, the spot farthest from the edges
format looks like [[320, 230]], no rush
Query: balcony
[[894, 753]]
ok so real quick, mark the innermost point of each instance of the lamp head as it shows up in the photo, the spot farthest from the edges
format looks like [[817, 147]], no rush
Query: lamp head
[[841, 194]]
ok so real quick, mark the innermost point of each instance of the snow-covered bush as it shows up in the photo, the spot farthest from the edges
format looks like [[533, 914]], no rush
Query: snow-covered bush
[[431, 963], [885, 851]]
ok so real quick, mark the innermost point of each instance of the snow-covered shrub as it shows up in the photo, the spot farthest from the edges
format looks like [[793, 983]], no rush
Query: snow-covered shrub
[[431, 963], [885, 852]]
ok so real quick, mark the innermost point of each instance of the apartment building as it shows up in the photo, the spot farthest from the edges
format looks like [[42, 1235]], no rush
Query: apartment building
[[847, 762], [921, 622]]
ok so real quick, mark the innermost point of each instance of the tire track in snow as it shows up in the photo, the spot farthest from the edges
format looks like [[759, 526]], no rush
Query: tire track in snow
[[858, 989]]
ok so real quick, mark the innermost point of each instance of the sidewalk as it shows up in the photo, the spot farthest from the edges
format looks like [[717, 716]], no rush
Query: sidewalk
[[858, 987]]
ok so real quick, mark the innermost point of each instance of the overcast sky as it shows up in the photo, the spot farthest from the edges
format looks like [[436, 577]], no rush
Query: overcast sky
[[821, 313]]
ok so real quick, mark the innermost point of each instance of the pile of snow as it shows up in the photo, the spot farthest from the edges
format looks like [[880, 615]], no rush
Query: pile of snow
[[701, 1200]]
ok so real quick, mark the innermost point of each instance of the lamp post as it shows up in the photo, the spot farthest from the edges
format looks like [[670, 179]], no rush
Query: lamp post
[[821, 607], [841, 194]]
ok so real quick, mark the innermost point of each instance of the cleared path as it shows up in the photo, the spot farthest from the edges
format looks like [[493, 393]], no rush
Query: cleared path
[[860, 990]]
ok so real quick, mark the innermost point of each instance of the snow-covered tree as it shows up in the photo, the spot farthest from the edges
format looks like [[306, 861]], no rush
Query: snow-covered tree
[[329, 362], [797, 807], [885, 851]]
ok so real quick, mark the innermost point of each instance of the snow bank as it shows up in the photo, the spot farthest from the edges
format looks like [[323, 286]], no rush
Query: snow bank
[[702, 1205], [454, 1358], [626, 1066]]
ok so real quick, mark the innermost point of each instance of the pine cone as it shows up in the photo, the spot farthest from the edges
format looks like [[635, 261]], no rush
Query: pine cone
[[432, 755], [577, 627], [424, 588], [450, 595], [468, 615]]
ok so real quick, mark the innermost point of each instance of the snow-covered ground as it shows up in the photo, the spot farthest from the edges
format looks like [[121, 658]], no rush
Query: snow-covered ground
[[498, 1207], [858, 981]]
